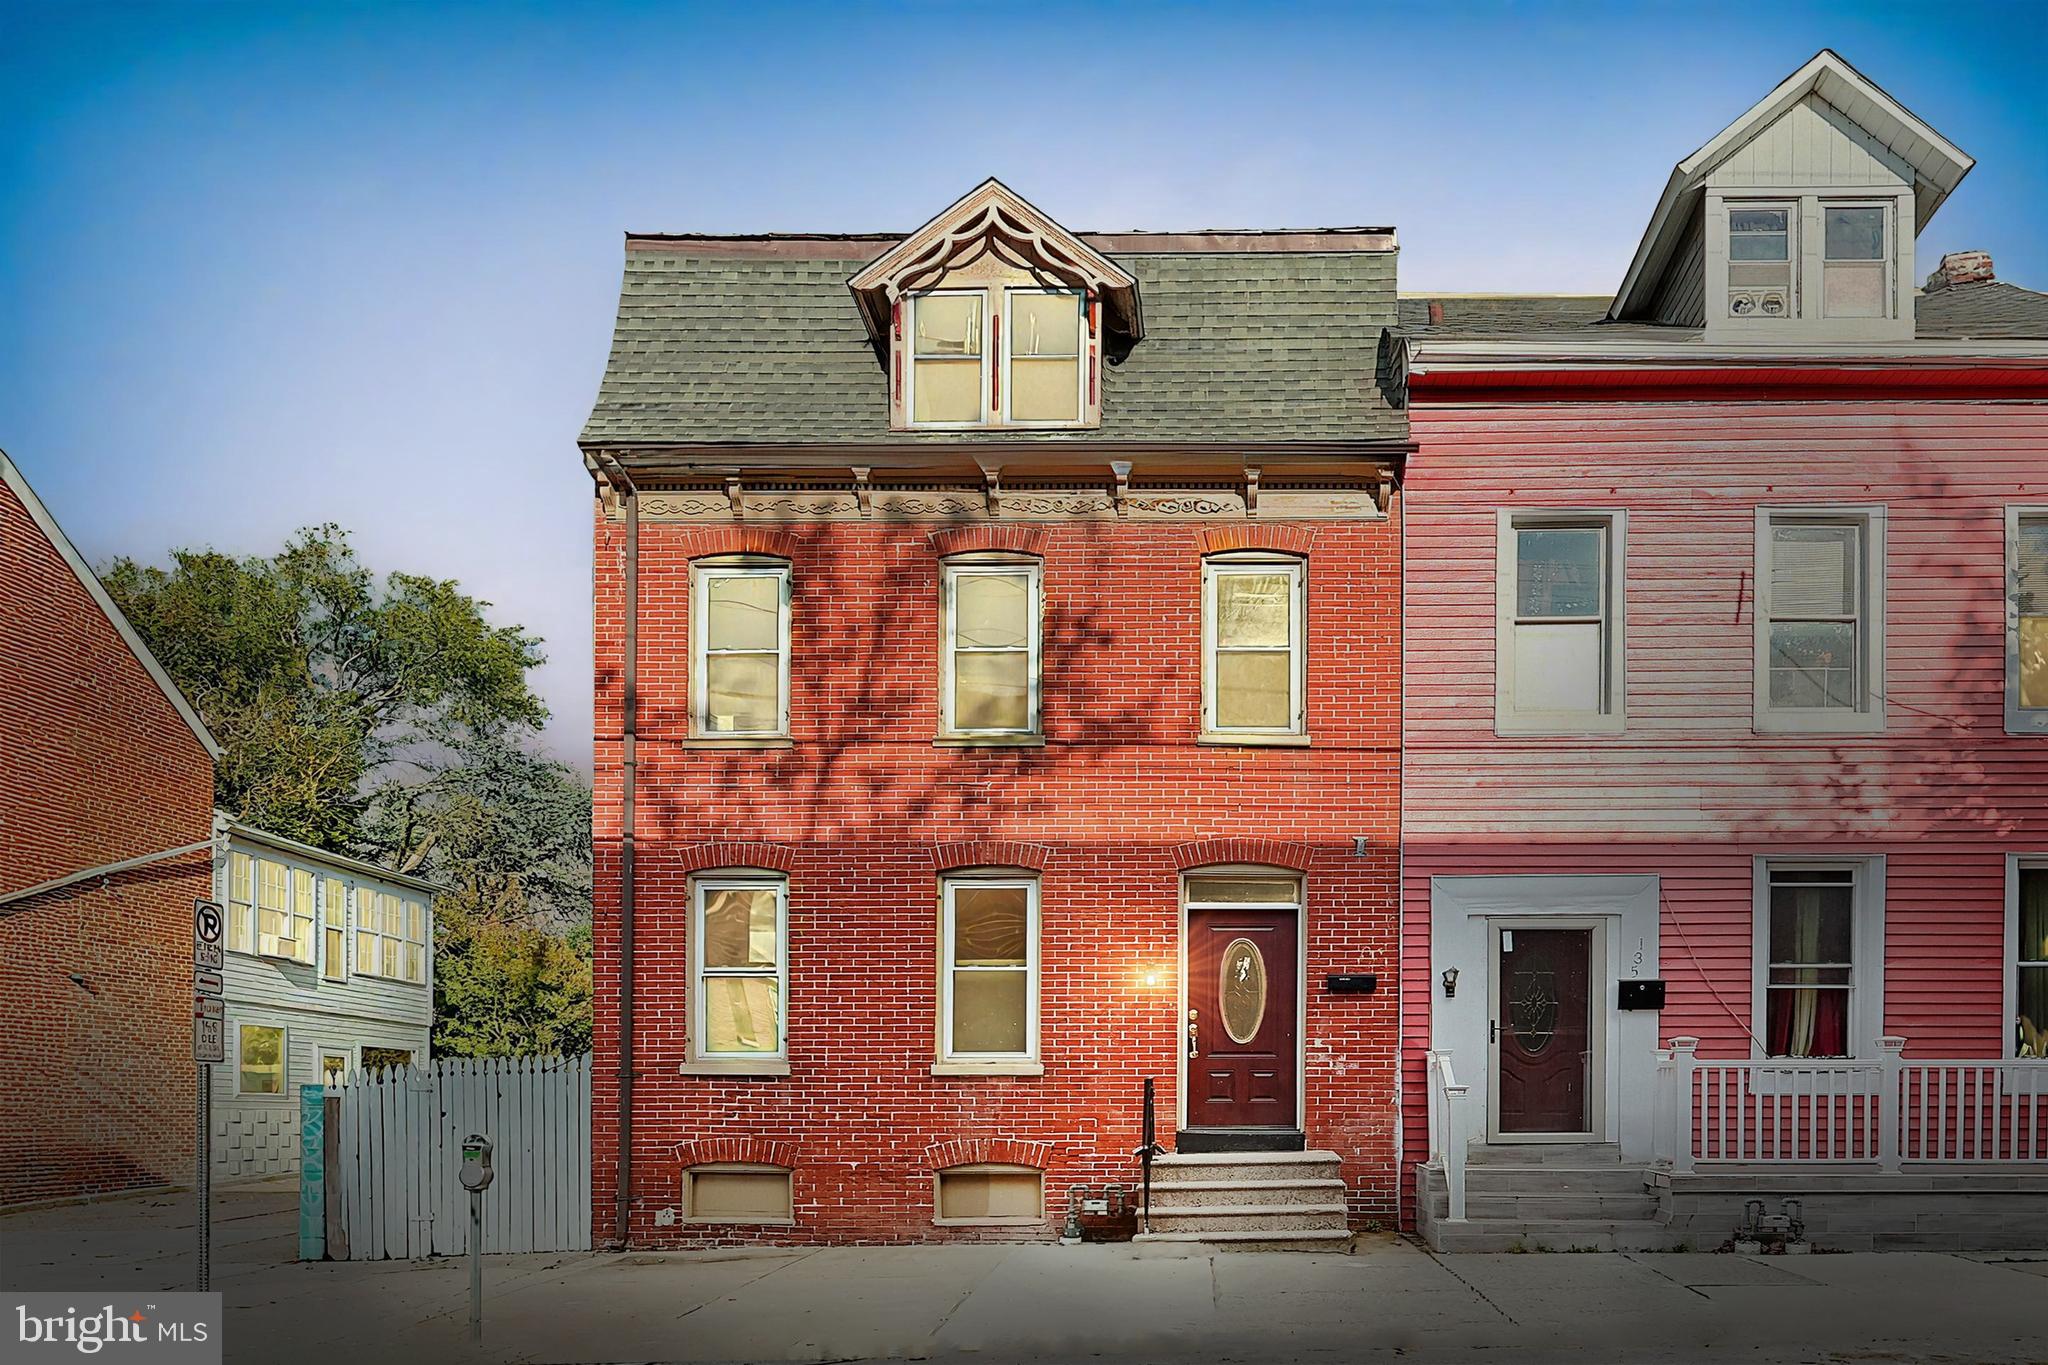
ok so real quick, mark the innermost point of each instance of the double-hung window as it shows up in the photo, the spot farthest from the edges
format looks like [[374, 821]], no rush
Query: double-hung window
[[391, 936], [241, 901], [1820, 620], [1254, 667], [948, 359], [2027, 888], [1760, 261], [2026, 620], [284, 911], [739, 675], [1043, 357], [989, 686], [1855, 272], [739, 955], [1819, 946], [1558, 630], [334, 930], [989, 970]]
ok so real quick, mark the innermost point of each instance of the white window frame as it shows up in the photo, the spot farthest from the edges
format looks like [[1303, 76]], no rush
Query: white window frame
[[702, 572], [406, 899], [910, 359], [949, 884], [1612, 717], [241, 914], [320, 1051], [1009, 370], [739, 1063], [1262, 562], [1868, 717], [333, 919], [1866, 948], [284, 1058], [950, 572], [1794, 211], [2015, 863], [1887, 261], [2019, 720]]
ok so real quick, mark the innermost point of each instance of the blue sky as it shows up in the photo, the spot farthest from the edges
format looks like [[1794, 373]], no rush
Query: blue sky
[[263, 266]]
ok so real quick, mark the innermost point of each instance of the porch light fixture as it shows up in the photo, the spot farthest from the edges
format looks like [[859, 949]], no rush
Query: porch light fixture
[[1450, 982]]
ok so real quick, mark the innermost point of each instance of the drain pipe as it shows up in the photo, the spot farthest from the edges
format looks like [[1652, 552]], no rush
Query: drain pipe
[[629, 761]]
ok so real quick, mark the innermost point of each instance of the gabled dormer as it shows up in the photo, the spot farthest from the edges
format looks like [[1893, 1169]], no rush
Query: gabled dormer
[[1795, 225], [993, 316]]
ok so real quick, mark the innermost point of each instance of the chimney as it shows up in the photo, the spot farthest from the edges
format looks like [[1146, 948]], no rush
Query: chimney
[[1961, 267]]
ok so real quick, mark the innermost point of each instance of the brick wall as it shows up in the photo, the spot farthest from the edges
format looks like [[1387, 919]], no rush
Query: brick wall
[[96, 1081], [1113, 807]]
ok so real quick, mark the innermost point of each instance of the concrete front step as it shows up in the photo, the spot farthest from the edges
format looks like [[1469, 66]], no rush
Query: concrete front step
[[1552, 1207], [1178, 1166], [1556, 1180], [1183, 1193], [1280, 1218], [1518, 1234], [1583, 1155], [1321, 1239]]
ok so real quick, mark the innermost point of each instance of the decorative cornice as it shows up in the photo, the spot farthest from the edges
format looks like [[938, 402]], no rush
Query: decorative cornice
[[759, 508]]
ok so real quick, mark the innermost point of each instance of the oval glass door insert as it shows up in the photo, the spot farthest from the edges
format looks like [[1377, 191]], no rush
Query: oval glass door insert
[[1241, 995]]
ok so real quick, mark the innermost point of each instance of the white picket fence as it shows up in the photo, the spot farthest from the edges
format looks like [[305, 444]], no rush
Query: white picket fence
[[399, 1148]]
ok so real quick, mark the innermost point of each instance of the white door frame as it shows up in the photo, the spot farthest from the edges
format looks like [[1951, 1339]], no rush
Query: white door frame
[[1598, 1022], [1461, 909], [1180, 1037]]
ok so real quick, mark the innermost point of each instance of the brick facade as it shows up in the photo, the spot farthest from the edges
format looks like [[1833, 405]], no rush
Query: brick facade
[[863, 811], [98, 1074]]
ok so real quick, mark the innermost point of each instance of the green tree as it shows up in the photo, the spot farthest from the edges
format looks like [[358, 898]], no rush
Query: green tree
[[315, 676]]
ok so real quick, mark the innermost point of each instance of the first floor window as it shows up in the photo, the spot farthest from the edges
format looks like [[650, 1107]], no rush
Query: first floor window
[[740, 669], [334, 1065], [991, 646], [1253, 657], [738, 940], [2027, 614], [2030, 985], [989, 985], [378, 1058], [259, 1060], [1811, 972]]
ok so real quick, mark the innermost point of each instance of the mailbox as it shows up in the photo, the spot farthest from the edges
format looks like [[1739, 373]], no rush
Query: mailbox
[[476, 1163], [1641, 995], [1351, 983]]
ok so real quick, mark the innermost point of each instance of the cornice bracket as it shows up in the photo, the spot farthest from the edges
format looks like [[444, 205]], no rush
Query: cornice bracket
[[862, 493], [1122, 470]]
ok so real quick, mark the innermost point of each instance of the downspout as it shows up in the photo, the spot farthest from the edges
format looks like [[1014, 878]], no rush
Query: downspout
[[630, 771]]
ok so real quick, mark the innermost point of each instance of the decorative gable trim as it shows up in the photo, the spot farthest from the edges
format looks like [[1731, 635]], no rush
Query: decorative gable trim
[[993, 219]]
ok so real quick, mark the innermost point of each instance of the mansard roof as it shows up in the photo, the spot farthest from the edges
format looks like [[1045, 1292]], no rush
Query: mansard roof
[[1249, 336], [1935, 164]]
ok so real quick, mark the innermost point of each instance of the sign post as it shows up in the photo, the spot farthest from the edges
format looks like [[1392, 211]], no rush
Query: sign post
[[209, 1038]]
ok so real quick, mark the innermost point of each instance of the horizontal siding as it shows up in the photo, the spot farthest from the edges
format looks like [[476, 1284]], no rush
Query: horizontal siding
[[1690, 791]]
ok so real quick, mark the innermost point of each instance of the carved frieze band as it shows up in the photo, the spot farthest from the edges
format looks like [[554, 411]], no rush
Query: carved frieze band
[[1016, 504]]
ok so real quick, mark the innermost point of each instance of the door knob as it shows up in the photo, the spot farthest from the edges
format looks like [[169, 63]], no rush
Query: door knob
[[1194, 1024]]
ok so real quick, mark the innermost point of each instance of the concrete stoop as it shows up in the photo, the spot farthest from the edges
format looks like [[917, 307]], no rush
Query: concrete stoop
[[1249, 1201], [1546, 1198]]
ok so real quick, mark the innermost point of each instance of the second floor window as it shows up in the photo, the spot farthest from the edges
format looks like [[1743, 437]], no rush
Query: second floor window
[[334, 936], [740, 656], [989, 685], [2026, 688], [1253, 659], [391, 937], [1820, 620], [1557, 637]]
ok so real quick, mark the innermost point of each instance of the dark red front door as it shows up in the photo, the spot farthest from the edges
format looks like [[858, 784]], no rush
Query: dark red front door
[[1242, 986], [1542, 1023]]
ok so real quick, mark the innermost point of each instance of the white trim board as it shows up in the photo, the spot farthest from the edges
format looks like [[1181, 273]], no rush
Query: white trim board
[[1462, 909]]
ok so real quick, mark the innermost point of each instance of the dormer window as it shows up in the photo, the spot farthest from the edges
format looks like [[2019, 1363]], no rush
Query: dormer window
[[1760, 262], [1853, 271], [948, 364], [1044, 356]]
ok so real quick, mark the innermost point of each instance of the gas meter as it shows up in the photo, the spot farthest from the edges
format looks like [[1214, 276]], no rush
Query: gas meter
[[476, 1163]]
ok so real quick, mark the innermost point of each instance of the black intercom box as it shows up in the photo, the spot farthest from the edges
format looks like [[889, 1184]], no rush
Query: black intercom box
[[1642, 995], [1353, 983]]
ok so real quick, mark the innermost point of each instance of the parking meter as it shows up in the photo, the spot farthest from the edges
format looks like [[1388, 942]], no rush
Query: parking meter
[[476, 1163]]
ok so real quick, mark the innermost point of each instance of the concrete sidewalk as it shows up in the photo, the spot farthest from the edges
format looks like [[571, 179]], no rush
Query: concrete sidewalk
[[1040, 1302]]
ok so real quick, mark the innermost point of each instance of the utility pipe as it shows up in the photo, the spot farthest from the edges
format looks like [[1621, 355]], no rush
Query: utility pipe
[[103, 870], [630, 766]]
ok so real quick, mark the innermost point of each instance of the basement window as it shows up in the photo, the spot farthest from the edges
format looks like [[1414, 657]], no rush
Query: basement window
[[990, 1195], [738, 1192]]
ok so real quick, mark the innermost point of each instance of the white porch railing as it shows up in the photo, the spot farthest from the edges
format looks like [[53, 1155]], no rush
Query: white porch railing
[[1446, 1131], [1880, 1113]]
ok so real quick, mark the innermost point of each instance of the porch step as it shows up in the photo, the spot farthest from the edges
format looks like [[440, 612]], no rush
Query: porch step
[[1584, 1155], [1283, 1218], [1576, 1234], [1277, 1166], [1552, 1208], [1181, 1194], [1315, 1239], [1592, 1180], [1538, 1206]]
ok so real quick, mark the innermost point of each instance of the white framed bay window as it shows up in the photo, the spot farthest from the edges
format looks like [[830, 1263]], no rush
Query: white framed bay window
[[739, 974], [1820, 619], [1559, 629], [739, 648], [989, 654], [988, 974], [1254, 654]]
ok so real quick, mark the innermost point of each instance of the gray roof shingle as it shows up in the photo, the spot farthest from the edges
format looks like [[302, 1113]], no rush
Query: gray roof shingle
[[1239, 346]]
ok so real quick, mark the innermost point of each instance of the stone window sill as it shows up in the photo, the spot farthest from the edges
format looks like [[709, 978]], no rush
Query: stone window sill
[[953, 741], [1254, 740], [1021, 1221], [735, 1067], [988, 1068], [737, 742]]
